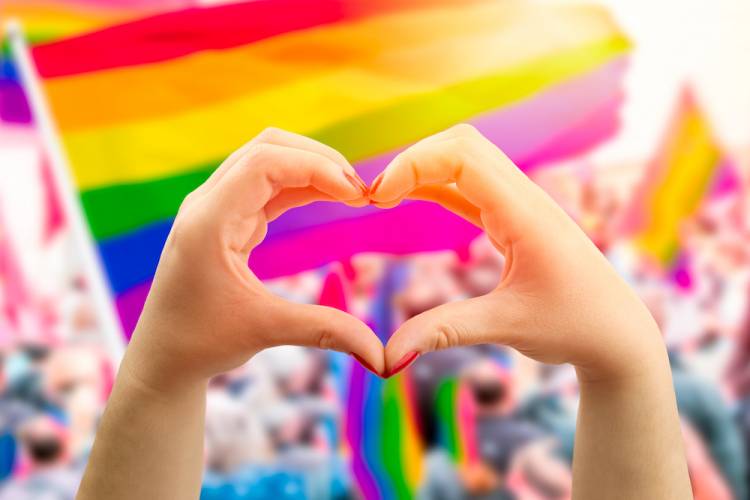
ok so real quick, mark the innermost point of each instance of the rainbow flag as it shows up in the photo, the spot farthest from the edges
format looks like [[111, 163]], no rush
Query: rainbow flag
[[149, 108], [381, 423], [688, 166], [456, 421]]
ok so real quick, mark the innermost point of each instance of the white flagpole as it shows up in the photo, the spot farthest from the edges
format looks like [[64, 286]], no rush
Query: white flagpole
[[108, 320]]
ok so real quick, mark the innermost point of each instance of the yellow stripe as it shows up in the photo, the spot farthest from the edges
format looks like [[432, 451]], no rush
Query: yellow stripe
[[406, 45], [60, 19], [692, 159], [160, 148]]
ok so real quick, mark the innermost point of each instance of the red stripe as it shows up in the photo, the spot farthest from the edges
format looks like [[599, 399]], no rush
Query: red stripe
[[175, 34]]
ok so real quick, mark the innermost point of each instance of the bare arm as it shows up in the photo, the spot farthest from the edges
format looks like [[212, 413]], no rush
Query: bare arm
[[207, 313]]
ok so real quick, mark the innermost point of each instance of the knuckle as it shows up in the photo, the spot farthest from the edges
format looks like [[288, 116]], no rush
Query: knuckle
[[326, 339], [465, 130], [188, 201], [446, 336], [192, 227], [268, 134], [259, 151], [465, 143], [340, 158], [258, 159]]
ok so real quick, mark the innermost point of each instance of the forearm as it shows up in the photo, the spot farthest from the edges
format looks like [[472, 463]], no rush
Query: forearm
[[628, 441], [150, 442]]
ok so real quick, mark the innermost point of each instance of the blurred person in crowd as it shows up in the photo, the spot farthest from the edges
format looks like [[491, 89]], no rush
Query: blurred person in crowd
[[435, 279], [272, 429], [49, 473], [706, 480], [78, 379], [305, 426], [738, 378], [235, 435], [551, 405], [13, 412], [25, 372], [702, 405], [513, 453], [239, 455]]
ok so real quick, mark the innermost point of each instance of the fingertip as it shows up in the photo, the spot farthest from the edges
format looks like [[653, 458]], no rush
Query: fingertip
[[403, 348], [362, 361], [403, 363], [357, 183]]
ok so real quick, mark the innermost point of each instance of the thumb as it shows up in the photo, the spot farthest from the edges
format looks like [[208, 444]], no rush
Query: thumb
[[328, 328], [488, 319]]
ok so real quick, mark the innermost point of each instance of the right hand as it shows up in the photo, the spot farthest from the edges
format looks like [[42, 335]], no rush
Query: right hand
[[558, 301]]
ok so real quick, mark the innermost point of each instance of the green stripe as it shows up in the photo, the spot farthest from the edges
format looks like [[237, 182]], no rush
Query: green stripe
[[445, 408], [393, 438], [32, 39], [122, 208]]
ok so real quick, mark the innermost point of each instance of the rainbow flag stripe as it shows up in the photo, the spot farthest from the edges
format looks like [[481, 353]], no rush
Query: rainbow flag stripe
[[147, 109]]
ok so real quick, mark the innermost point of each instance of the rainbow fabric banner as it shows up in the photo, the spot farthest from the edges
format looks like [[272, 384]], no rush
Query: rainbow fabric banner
[[149, 108], [688, 166]]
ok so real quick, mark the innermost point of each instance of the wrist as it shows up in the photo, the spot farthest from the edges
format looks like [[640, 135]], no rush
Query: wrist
[[153, 380], [631, 353], [158, 368]]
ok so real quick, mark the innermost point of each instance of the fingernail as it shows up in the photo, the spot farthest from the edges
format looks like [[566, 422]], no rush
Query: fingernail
[[376, 183], [403, 363], [365, 363], [357, 183]]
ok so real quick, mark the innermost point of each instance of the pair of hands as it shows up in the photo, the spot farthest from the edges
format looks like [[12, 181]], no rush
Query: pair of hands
[[558, 300]]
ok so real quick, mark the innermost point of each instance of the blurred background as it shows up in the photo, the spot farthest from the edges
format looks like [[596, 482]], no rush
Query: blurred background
[[633, 115]]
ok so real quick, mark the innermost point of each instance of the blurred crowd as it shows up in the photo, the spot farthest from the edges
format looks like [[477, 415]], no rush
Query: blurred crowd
[[275, 427]]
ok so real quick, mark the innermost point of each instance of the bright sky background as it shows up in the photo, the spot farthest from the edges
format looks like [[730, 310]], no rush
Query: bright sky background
[[706, 43]]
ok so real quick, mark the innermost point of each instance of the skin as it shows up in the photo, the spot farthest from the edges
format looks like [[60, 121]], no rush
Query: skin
[[559, 301]]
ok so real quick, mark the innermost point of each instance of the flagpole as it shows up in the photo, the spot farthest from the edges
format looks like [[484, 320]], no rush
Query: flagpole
[[107, 316]]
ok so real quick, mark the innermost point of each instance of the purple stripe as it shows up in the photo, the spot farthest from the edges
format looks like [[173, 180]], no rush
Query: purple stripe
[[589, 132], [354, 429], [13, 105]]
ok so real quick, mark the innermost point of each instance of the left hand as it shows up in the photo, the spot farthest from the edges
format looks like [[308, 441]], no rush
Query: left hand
[[207, 312]]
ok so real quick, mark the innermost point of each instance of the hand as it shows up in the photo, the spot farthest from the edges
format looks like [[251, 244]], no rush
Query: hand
[[206, 312], [558, 301]]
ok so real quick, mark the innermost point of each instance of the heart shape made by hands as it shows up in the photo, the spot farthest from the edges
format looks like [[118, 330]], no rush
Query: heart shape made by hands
[[547, 295]]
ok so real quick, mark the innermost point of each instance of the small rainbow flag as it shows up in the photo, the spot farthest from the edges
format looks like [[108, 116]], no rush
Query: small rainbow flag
[[381, 423], [688, 166], [456, 421], [147, 109]]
